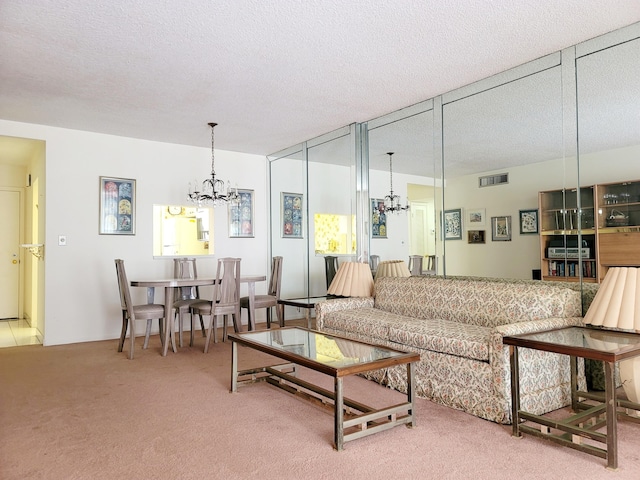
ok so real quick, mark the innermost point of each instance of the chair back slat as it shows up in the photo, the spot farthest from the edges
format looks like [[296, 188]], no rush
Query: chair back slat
[[123, 286], [227, 286], [186, 268], [276, 277]]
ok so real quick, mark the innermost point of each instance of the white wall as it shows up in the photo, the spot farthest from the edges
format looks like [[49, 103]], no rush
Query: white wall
[[81, 293]]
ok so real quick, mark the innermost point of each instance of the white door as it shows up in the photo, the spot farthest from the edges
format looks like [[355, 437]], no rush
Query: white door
[[418, 229], [9, 253]]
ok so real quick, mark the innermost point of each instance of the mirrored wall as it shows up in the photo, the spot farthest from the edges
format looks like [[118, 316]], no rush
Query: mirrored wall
[[313, 210], [531, 173]]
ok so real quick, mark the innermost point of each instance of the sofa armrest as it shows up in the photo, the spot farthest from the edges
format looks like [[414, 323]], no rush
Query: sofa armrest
[[533, 363], [537, 326], [337, 304]]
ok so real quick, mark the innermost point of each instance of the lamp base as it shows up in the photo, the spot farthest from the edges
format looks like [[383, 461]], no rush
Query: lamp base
[[630, 376]]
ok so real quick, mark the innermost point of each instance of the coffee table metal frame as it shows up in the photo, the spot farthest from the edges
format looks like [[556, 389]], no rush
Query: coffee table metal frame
[[360, 419], [593, 410]]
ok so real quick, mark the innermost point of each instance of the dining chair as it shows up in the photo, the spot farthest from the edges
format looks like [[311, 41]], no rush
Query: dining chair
[[186, 268], [331, 267], [271, 298], [415, 264], [226, 300], [374, 260], [131, 313], [432, 265]]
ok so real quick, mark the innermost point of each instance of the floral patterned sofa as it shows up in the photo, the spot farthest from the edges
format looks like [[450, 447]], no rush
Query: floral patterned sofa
[[457, 326]]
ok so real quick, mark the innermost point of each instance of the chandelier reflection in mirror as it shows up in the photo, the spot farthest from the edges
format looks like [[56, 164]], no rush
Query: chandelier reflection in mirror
[[214, 191], [392, 201]]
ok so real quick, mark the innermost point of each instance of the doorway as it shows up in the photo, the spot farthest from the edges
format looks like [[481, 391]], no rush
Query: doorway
[[22, 162]]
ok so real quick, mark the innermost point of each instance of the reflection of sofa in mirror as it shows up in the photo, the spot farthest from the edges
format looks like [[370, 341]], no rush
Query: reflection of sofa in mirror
[[457, 326]]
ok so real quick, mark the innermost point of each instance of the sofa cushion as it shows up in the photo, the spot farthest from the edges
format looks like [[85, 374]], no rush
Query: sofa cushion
[[463, 340], [364, 321], [444, 336]]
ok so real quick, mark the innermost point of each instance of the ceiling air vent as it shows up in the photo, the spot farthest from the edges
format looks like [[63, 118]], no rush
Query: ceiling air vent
[[491, 180]]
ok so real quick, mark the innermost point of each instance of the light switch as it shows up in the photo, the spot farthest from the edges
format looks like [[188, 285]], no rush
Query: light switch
[[62, 240]]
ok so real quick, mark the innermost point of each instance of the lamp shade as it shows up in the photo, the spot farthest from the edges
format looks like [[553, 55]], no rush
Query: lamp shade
[[353, 279], [617, 302], [392, 268]]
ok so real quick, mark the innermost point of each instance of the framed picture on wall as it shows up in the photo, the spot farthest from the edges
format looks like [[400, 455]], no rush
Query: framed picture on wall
[[292, 215], [240, 215], [528, 221], [476, 217], [475, 236], [378, 219], [501, 229], [117, 206], [453, 224]]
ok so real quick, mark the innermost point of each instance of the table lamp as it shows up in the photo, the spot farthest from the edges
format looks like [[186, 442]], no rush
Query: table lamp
[[392, 268], [617, 306], [353, 279]]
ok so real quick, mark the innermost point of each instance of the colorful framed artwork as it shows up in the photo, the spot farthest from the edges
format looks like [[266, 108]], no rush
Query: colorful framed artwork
[[453, 224], [475, 236], [378, 219], [528, 222], [240, 215], [501, 229], [476, 218], [291, 213], [117, 206]]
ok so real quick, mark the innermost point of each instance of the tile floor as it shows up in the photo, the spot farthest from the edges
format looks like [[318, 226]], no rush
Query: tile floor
[[14, 333]]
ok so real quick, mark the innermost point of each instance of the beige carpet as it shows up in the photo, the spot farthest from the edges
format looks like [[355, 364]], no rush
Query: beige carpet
[[85, 411]]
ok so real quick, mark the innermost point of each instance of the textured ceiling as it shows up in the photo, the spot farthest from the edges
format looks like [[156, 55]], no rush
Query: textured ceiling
[[271, 73]]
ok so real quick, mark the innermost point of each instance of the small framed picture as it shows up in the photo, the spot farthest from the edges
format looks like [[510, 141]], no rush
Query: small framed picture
[[378, 219], [475, 236], [476, 217], [528, 221], [291, 213], [501, 229], [117, 206], [453, 224], [241, 215]]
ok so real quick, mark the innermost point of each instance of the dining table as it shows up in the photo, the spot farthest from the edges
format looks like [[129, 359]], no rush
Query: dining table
[[171, 284]]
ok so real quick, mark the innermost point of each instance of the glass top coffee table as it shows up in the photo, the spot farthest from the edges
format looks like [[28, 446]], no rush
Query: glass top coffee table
[[593, 410], [334, 356]]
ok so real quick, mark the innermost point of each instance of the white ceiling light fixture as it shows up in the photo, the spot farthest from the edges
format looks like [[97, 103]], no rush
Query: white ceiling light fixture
[[214, 191], [392, 201]]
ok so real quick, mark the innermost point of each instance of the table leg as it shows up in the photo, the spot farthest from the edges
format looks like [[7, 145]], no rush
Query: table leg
[[411, 393], [308, 316], [515, 390], [252, 306], [338, 428], [573, 364], [612, 415], [234, 366], [151, 293], [168, 321]]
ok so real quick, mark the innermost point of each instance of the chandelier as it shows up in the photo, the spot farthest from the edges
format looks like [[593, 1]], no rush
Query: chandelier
[[214, 191], [391, 201]]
